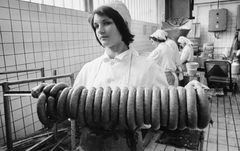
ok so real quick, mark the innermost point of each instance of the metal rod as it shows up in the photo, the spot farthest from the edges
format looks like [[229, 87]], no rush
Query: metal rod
[[6, 103], [19, 94], [34, 147], [37, 79], [18, 71]]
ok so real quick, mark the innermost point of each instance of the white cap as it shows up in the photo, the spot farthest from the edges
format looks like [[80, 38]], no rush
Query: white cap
[[160, 34], [122, 9], [183, 40]]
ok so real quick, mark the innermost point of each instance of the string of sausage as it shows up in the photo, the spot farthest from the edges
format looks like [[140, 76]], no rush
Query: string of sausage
[[126, 108]]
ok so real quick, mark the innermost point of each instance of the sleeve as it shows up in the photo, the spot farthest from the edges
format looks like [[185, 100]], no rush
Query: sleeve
[[157, 76], [81, 77], [185, 54], [154, 55]]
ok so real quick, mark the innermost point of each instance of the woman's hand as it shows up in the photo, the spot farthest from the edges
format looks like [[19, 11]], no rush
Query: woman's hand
[[195, 84]]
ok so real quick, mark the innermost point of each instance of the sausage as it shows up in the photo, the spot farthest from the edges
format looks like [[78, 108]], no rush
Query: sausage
[[173, 106], [89, 106], [203, 108], [131, 108], [35, 92], [182, 120], [98, 105], [123, 107], [115, 104], [74, 101], [57, 87], [61, 106], [68, 111], [164, 105], [155, 120], [41, 111], [191, 108], [139, 107], [48, 87], [105, 114], [81, 108], [147, 105]]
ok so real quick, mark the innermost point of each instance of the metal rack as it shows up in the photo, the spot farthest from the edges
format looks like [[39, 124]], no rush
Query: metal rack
[[7, 93]]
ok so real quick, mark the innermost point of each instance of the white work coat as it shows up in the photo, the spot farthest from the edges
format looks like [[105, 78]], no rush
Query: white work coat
[[186, 54], [126, 69], [164, 57]]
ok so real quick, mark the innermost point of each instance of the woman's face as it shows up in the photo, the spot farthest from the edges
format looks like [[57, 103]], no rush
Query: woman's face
[[154, 43], [182, 45], [106, 31]]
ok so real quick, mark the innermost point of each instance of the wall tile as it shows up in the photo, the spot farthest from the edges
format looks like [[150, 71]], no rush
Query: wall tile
[[44, 36], [43, 27], [25, 15], [14, 4], [17, 114], [51, 36], [45, 46], [19, 126], [18, 48], [17, 37], [5, 25], [4, 3], [53, 64], [46, 56], [30, 58], [49, 18], [42, 17], [24, 5], [7, 37], [34, 16], [2, 63], [26, 26], [28, 47], [27, 36], [15, 14], [29, 130], [38, 57], [16, 25], [52, 46], [4, 13], [33, 6], [37, 46], [35, 26], [20, 59], [8, 49], [26, 113], [56, 18], [10, 60], [36, 37]]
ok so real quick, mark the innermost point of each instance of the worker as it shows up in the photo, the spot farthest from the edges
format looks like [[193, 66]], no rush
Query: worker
[[171, 43], [120, 65], [186, 51], [163, 55]]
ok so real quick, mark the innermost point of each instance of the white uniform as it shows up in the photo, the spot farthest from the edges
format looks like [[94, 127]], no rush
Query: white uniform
[[176, 53], [164, 57], [126, 69]]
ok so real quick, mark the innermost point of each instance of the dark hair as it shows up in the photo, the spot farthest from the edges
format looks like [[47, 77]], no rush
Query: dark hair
[[155, 39], [122, 27]]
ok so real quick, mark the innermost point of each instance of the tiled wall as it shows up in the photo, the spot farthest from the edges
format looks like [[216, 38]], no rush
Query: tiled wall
[[35, 36], [224, 43]]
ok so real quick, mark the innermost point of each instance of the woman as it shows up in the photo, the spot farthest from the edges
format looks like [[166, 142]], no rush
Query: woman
[[171, 43], [163, 55], [186, 51], [120, 65]]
